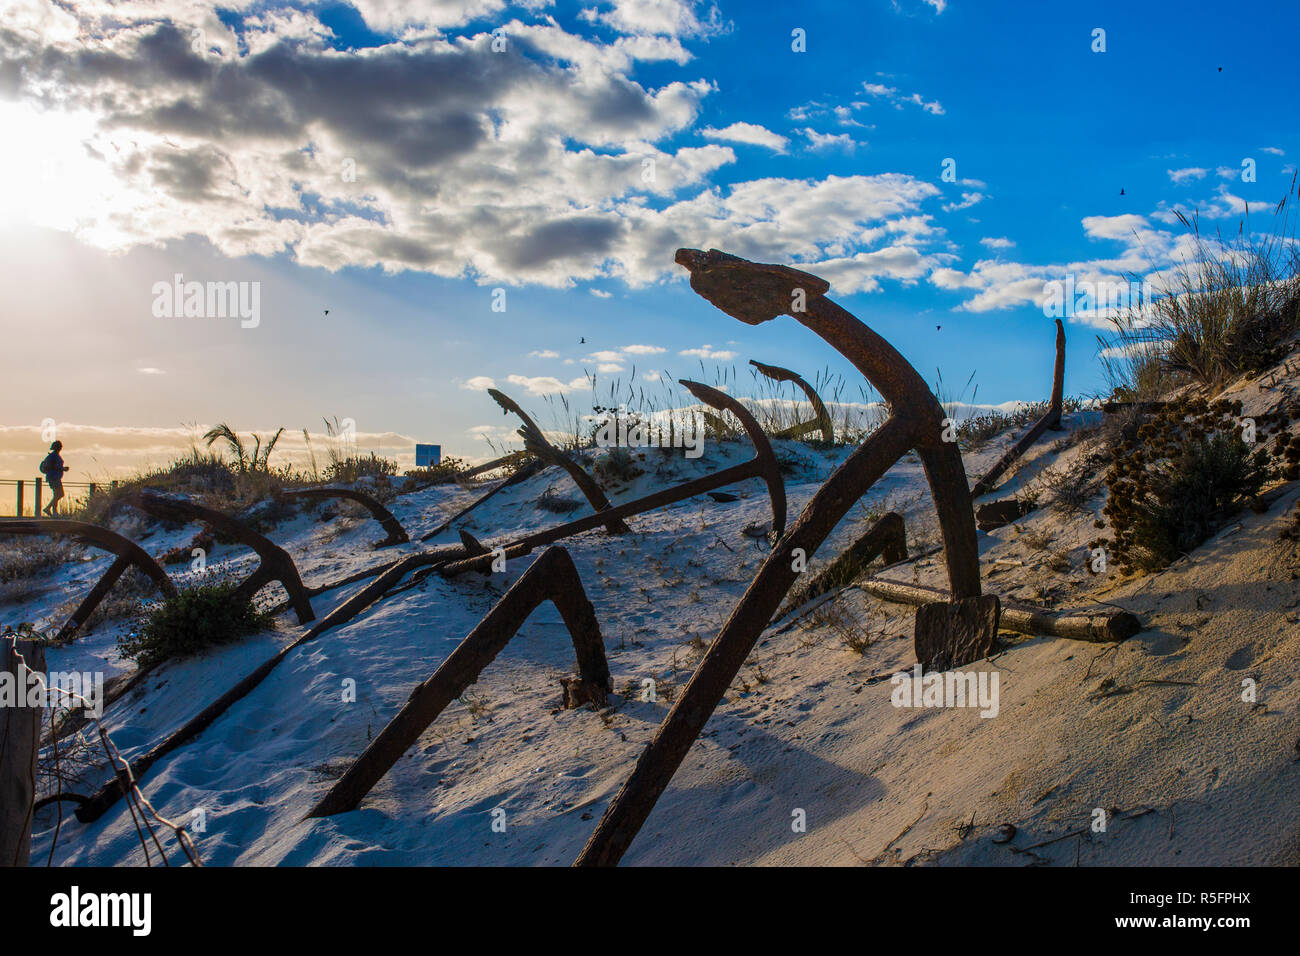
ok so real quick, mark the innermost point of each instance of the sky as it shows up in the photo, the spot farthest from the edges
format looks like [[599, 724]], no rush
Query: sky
[[420, 199]]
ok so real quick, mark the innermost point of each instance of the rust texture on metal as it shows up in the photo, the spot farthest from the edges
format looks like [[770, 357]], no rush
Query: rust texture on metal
[[756, 293], [127, 552], [535, 442], [821, 420], [552, 577], [953, 635], [1052, 420], [390, 524], [276, 565]]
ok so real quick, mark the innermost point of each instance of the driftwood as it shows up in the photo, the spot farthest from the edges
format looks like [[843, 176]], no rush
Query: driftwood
[[536, 443], [525, 471], [127, 551], [95, 807], [396, 533], [1099, 626], [1051, 420], [998, 514], [276, 565], [552, 577], [755, 293], [822, 418]]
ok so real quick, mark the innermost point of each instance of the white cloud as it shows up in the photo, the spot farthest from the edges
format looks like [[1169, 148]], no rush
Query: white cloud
[[992, 242], [823, 141], [709, 352], [968, 199], [674, 18], [998, 284], [750, 133], [544, 354], [478, 383], [644, 349], [891, 95], [514, 168], [546, 385], [1180, 176], [601, 293]]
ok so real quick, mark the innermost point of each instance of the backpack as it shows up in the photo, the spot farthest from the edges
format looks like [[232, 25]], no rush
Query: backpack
[[47, 465]]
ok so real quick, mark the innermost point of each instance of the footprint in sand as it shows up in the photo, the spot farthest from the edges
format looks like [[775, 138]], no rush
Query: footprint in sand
[[1241, 658]]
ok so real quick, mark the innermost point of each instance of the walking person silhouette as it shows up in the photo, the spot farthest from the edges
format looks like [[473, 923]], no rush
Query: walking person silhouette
[[53, 468]]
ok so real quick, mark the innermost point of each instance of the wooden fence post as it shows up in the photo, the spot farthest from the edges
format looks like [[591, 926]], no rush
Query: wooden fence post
[[19, 512], [20, 734], [37, 512]]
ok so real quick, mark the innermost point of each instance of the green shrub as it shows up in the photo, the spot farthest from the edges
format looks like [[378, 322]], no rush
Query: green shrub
[[196, 618], [616, 466], [1179, 476], [356, 467], [418, 479]]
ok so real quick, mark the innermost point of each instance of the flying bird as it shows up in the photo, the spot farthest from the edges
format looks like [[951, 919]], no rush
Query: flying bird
[[582, 341], [327, 311], [1121, 191]]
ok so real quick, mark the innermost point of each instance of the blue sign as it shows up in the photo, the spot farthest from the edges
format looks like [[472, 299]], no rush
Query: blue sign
[[427, 456]]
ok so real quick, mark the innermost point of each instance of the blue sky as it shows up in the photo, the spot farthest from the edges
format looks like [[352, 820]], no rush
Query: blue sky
[[156, 138]]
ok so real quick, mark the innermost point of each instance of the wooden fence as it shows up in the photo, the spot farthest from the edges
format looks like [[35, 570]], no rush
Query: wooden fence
[[29, 495]]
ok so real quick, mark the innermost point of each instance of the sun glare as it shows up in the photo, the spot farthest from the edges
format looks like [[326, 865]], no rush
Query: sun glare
[[51, 176]]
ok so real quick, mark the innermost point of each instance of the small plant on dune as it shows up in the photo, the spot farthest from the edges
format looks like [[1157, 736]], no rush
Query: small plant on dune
[[1183, 473], [200, 617], [256, 460], [1230, 308], [356, 467], [616, 466], [845, 624], [420, 478], [556, 503]]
